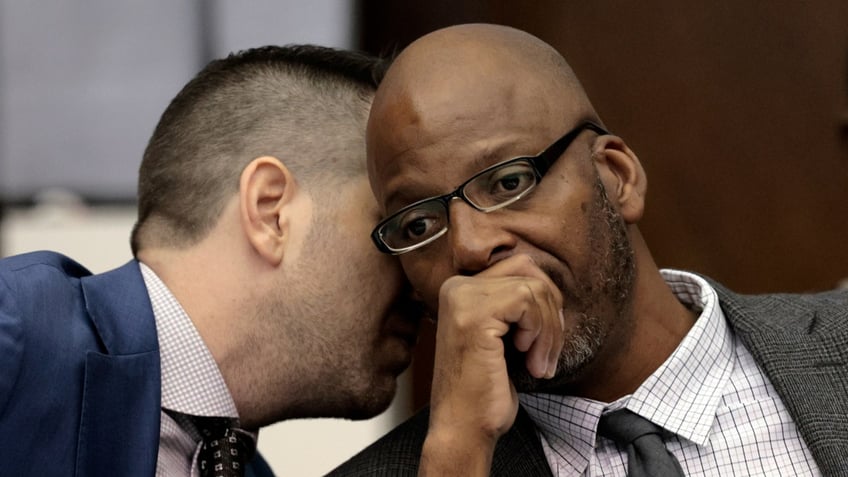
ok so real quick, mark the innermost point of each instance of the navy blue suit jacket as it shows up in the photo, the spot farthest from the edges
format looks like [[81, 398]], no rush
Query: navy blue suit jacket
[[80, 380]]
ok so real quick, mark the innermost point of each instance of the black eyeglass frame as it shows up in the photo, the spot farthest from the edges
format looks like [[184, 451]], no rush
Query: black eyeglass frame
[[540, 163]]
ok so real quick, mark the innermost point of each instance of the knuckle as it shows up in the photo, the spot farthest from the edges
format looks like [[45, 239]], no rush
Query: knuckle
[[455, 288], [450, 284], [526, 260], [525, 291]]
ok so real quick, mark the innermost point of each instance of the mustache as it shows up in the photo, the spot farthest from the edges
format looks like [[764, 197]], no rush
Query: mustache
[[569, 296], [554, 275]]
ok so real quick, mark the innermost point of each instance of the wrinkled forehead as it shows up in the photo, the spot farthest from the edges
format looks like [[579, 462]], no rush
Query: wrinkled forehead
[[440, 117]]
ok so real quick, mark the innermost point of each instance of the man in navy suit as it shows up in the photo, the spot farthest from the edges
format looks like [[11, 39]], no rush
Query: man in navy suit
[[254, 295]]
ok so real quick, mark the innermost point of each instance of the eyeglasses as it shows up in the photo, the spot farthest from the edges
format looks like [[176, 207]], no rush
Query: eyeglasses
[[495, 187]]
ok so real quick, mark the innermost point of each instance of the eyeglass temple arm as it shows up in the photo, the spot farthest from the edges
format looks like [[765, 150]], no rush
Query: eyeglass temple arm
[[544, 161]]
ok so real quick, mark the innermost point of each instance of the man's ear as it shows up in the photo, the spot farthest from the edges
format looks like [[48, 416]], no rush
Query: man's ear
[[266, 186], [623, 176]]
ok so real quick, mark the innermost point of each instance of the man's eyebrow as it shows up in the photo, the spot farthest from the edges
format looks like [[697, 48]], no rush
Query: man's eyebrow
[[402, 197], [395, 197], [493, 155], [489, 156]]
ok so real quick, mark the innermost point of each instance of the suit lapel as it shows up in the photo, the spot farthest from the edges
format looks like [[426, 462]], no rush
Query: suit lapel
[[800, 343], [119, 428], [519, 451]]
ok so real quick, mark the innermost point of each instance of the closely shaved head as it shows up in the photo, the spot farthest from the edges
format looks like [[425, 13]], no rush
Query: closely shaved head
[[275, 100]]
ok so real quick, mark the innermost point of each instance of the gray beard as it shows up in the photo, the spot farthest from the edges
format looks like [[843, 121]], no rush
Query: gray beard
[[607, 293]]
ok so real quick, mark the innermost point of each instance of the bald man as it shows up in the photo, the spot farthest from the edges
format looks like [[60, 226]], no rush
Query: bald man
[[556, 329]]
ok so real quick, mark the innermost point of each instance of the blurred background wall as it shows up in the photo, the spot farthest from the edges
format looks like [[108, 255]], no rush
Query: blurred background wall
[[738, 112]]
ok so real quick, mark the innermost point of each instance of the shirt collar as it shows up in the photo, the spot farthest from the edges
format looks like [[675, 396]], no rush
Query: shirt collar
[[682, 395], [191, 381]]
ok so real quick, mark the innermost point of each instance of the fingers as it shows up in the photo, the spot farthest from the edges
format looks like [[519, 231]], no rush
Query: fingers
[[513, 293], [556, 348], [539, 334], [520, 266], [542, 340], [472, 394]]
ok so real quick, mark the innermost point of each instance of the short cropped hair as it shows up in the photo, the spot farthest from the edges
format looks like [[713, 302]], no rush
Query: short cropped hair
[[304, 104]]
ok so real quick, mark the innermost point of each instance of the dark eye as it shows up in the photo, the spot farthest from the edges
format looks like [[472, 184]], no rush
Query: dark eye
[[511, 180], [416, 224], [417, 227], [422, 222]]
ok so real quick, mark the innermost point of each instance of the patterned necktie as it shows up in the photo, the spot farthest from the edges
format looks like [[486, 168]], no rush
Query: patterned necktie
[[647, 455], [225, 450]]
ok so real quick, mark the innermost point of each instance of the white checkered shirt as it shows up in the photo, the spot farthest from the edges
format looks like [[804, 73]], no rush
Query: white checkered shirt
[[724, 416], [191, 381]]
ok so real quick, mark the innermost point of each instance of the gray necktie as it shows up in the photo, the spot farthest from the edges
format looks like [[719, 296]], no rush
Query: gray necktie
[[647, 455]]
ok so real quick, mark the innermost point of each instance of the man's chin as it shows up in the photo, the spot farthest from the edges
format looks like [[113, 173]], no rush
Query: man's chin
[[372, 402]]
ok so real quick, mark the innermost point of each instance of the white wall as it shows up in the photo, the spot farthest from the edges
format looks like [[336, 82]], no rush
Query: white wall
[[99, 239]]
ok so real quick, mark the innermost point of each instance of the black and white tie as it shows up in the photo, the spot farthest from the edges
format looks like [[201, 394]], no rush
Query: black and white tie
[[225, 450]]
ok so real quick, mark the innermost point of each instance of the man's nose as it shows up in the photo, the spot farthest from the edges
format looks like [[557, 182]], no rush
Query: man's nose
[[476, 239]]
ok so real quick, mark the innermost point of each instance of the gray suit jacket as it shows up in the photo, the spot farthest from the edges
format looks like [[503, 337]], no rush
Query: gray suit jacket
[[800, 341]]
